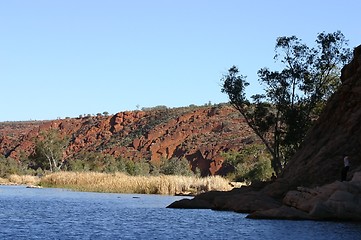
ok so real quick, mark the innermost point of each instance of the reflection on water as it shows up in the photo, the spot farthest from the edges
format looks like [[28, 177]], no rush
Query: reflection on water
[[62, 214]]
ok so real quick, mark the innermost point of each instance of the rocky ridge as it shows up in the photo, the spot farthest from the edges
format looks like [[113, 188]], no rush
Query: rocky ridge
[[199, 134]]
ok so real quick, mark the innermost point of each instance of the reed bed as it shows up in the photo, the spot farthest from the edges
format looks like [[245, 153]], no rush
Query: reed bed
[[15, 179], [4, 181], [122, 183]]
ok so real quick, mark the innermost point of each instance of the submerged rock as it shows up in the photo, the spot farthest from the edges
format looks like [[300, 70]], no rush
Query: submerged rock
[[33, 186]]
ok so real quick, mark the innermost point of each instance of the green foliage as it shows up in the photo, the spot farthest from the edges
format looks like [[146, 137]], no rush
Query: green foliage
[[134, 168], [175, 166], [99, 162], [49, 151], [88, 161], [294, 96], [251, 164], [77, 165], [9, 166], [159, 107], [93, 161]]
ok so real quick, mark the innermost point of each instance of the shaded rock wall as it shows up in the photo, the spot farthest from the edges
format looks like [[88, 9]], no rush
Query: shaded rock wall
[[337, 132]]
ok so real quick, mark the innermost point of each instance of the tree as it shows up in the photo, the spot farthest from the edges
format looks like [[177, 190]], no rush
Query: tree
[[49, 150], [294, 96]]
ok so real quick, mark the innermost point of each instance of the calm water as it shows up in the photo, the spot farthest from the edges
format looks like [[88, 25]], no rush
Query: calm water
[[62, 214]]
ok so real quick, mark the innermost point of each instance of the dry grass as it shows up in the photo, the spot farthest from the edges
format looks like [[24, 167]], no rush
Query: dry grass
[[15, 179], [122, 183], [4, 181]]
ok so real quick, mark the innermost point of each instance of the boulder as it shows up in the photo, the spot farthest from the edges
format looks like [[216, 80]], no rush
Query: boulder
[[335, 201], [246, 202], [243, 200], [191, 204]]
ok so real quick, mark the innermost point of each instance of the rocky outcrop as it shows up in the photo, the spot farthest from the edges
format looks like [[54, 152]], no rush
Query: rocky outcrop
[[309, 187], [199, 134], [337, 132], [334, 201], [243, 200], [12, 133]]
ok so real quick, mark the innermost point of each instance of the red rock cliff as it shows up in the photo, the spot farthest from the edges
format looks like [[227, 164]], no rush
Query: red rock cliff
[[199, 134]]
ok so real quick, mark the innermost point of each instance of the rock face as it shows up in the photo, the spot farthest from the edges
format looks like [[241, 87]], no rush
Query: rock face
[[199, 134], [310, 186], [337, 132], [334, 201], [243, 200]]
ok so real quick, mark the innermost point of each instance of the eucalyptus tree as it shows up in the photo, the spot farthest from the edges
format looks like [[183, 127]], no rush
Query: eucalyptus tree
[[49, 150], [294, 96]]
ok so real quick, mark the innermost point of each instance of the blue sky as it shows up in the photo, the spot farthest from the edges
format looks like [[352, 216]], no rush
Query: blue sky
[[64, 58]]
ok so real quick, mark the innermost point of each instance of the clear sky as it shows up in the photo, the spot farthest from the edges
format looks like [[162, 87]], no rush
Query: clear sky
[[64, 58]]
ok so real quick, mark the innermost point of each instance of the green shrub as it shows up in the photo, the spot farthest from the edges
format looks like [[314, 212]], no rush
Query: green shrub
[[99, 162], [135, 168], [175, 166], [9, 166], [252, 163]]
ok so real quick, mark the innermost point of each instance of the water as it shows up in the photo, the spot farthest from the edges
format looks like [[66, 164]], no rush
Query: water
[[61, 214]]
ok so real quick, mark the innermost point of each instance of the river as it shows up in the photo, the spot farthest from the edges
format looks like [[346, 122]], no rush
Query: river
[[47, 213]]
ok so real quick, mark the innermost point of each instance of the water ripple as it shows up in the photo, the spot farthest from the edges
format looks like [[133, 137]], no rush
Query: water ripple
[[61, 214]]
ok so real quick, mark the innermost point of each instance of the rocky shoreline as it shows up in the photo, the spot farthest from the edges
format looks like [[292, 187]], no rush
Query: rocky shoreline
[[339, 201]]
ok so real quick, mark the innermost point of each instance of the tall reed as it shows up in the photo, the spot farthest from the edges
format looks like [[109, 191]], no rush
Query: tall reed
[[122, 183], [21, 179], [4, 181]]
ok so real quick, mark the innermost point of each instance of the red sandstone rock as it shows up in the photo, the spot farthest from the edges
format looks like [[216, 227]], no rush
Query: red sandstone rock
[[197, 134]]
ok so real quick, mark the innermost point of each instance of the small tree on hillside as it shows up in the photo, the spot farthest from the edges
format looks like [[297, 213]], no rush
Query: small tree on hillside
[[294, 96], [49, 150]]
